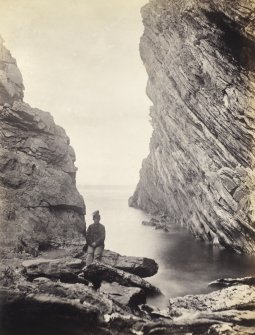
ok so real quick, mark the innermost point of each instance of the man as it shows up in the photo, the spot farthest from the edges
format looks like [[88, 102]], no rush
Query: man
[[95, 237]]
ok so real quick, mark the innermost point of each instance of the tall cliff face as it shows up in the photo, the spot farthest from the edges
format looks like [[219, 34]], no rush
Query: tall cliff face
[[200, 59], [39, 203]]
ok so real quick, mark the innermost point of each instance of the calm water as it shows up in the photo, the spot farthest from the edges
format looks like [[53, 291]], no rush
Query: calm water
[[186, 265]]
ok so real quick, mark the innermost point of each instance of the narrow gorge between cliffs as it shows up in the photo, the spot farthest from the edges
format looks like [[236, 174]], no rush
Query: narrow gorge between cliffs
[[179, 254]]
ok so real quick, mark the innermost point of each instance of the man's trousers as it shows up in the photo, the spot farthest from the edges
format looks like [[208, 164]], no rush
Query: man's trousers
[[94, 254]]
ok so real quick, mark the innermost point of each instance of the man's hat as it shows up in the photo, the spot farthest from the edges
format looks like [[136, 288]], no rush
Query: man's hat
[[95, 213]]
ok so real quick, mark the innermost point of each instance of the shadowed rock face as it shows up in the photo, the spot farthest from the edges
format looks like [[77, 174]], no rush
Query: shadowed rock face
[[40, 205], [199, 56]]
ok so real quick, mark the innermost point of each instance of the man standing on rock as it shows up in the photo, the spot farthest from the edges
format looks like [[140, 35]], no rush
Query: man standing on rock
[[95, 237]]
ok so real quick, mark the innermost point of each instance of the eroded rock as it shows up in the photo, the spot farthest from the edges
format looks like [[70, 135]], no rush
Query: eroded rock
[[199, 56], [225, 282], [85, 294], [11, 83], [40, 205], [98, 272], [64, 269], [140, 266], [125, 296]]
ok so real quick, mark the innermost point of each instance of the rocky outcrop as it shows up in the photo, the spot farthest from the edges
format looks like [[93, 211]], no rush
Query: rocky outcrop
[[65, 269], [40, 205], [49, 296], [35, 313], [68, 266], [140, 266], [43, 306], [98, 272], [11, 83], [32, 303], [123, 295], [199, 56]]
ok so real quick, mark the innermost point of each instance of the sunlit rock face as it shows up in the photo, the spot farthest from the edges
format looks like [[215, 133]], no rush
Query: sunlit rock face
[[39, 203], [200, 59], [11, 84]]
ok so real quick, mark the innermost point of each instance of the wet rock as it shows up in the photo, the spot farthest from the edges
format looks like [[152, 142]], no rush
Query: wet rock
[[149, 223], [233, 306], [65, 269], [140, 266], [125, 296], [158, 223], [154, 313], [98, 272], [225, 282], [200, 169]]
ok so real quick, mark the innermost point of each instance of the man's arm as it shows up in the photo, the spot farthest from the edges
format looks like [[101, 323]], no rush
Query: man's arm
[[88, 236]]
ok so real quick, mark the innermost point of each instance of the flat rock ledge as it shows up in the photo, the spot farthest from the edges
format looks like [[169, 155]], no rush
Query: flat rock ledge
[[71, 264], [140, 266]]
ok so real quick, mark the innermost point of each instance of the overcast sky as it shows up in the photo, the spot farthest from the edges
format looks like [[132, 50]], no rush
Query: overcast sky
[[80, 61]]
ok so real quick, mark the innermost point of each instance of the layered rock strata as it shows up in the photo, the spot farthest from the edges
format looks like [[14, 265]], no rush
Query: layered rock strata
[[200, 60], [40, 206]]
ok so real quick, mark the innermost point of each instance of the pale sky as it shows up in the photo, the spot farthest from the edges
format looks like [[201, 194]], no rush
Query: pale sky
[[80, 61]]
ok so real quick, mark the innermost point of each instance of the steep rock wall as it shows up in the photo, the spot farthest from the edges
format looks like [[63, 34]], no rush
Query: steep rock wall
[[39, 203], [200, 59]]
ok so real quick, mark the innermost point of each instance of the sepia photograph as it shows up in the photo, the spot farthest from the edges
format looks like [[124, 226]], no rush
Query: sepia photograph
[[127, 167]]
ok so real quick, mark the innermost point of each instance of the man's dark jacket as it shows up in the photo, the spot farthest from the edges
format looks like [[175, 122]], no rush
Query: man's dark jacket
[[95, 234]]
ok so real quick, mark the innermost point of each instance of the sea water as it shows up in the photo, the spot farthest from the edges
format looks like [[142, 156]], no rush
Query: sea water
[[186, 265]]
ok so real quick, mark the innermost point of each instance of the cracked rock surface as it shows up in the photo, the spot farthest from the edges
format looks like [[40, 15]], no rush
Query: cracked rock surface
[[40, 205], [199, 56]]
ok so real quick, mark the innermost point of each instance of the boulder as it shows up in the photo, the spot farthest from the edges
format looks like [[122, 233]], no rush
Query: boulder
[[149, 223], [140, 266], [159, 224], [65, 269], [225, 282], [122, 295], [36, 313], [98, 272], [8, 276], [85, 294], [228, 304]]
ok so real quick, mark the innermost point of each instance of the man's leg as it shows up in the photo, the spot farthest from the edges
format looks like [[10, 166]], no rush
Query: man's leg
[[90, 255], [98, 253]]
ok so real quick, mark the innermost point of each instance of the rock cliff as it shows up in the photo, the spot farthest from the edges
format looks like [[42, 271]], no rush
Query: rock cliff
[[199, 55], [40, 205]]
